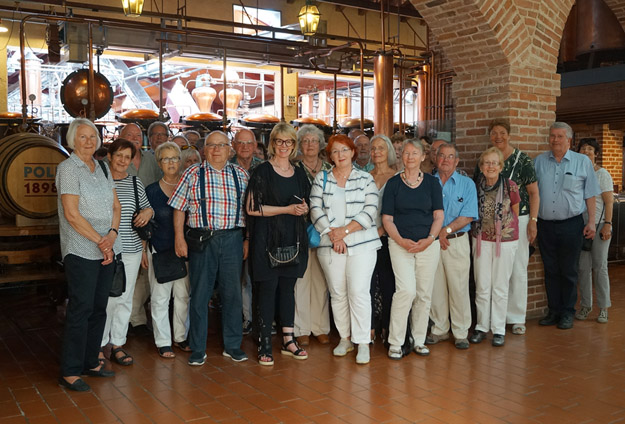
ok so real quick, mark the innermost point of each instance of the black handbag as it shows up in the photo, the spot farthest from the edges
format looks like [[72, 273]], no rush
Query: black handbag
[[280, 257], [145, 232], [587, 243], [197, 238], [118, 287], [168, 266]]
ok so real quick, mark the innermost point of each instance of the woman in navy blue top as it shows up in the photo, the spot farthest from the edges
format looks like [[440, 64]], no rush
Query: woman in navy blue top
[[168, 158]]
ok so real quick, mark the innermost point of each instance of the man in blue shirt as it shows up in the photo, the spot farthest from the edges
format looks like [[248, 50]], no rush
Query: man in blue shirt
[[567, 186], [450, 294]]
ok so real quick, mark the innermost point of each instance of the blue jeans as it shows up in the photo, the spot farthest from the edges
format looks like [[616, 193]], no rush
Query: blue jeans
[[219, 262]]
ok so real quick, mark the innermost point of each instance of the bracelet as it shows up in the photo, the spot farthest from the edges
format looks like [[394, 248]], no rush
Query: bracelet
[[113, 229], [607, 222], [432, 235], [534, 219]]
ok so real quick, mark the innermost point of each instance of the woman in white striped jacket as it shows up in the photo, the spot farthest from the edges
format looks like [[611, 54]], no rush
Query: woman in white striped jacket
[[344, 205]]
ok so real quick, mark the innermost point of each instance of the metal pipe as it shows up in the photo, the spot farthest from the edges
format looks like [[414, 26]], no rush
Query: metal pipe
[[225, 101], [91, 79], [383, 35], [400, 73], [334, 125], [281, 93], [160, 80], [362, 88]]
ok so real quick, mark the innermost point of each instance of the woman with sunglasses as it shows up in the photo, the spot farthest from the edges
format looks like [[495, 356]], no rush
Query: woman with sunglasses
[[276, 206]]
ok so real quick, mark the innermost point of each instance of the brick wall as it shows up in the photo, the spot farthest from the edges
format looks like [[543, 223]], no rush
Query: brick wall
[[618, 7], [611, 142]]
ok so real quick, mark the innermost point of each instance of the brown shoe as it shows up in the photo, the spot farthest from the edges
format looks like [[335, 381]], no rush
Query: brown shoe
[[323, 339], [303, 340]]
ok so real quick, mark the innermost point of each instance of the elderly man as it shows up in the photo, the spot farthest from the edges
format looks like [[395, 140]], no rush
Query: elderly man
[[450, 295], [244, 144], [567, 186], [363, 153], [158, 133], [213, 196]]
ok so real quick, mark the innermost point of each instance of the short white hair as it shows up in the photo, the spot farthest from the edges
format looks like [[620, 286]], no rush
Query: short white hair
[[392, 156], [73, 127]]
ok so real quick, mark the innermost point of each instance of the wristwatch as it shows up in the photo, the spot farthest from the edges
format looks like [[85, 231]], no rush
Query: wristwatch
[[346, 230], [448, 230]]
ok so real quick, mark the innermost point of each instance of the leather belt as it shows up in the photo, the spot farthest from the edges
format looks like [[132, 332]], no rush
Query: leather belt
[[454, 235]]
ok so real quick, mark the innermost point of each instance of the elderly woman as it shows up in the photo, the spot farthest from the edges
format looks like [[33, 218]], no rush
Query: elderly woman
[[412, 213], [495, 240], [89, 215], [518, 167], [312, 306], [118, 310], [276, 205], [343, 210], [384, 159], [158, 193], [181, 140], [189, 156], [595, 261]]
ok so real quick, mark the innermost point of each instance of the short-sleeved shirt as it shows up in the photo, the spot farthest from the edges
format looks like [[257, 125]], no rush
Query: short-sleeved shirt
[[222, 198], [519, 168], [459, 199], [95, 204], [412, 208], [367, 168], [254, 164], [509, 221], [148, 171], [163, 239], [126, 195], [564, 186], [606, 185]]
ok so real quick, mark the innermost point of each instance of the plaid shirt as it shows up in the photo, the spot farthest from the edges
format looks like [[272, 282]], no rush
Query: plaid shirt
[[221, 196]]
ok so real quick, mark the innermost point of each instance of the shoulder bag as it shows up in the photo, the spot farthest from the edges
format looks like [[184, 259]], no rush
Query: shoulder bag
[[118, 287], [145, 232], [314, 238], [168, 266]]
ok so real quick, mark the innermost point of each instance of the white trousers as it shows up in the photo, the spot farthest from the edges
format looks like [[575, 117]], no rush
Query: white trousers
[[595, 263], [140, 296], [414, 279], [492, 276], [450, 295], [161, 294], [349, 280], [517, 294], [119, 308], [312, 306]]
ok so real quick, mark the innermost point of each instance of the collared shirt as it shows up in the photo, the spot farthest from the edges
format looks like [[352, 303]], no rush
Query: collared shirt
[[564, 186], [367, 168], [148, 171], [255, 162], [221, 196], [95, 204], [459, 199]]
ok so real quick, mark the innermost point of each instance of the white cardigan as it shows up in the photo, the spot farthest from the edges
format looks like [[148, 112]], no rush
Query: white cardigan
[[361, 196]]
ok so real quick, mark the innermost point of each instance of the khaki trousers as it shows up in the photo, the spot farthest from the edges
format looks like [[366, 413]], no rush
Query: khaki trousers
[[312, 305]]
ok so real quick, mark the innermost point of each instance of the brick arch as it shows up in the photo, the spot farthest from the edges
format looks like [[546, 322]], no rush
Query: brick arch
[[618, 7]]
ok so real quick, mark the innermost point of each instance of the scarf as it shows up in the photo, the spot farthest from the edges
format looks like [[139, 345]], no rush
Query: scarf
[[482, 189]]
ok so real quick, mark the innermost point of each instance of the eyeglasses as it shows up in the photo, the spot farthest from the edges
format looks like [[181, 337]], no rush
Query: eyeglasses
[[185, 147], [175, 159], [338, 152], [448, 157], [160, 135], [489, 163], [280, 142], [310, 141], [218, 145]]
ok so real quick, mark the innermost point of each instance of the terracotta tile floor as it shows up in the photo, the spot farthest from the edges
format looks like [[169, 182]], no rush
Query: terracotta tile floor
[[547, 376]]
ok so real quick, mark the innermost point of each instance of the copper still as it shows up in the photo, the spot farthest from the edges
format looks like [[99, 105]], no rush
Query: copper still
[[75, 94], [234, 97], [203, 93]]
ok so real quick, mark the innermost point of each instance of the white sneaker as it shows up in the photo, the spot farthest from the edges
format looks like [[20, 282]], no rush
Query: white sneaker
[[422, 350], [583, 313], [363, 354], [603, 316], [344, 347]]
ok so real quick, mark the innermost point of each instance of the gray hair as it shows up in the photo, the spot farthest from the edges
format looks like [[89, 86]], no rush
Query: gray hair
[[448, 145], [311, 129], [414, 142], [562, 126], [71, 132], [182, 136], [189, 152], [242, 130], [391, 157], [214, 133], [168, 145], [157, 124]]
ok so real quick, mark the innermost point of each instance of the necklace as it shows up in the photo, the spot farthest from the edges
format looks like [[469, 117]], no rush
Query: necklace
[[287, 169], [405, 178], [170, 184], [314, 169], [338, 174]]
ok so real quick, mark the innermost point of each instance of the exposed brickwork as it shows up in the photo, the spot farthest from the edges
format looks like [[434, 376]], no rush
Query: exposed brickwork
[[618, 7], [611, 142]]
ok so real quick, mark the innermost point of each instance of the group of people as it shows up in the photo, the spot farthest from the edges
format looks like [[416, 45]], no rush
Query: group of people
[[379, 232]]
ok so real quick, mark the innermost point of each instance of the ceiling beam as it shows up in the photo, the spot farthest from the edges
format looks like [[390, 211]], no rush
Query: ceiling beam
[[408, 11]]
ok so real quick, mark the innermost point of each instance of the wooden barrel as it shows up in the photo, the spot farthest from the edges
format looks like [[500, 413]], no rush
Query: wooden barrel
[[27, 175]]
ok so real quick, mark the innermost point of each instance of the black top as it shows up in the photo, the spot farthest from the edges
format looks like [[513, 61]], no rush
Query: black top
[[267, 187], [412, 208], [163, 238]]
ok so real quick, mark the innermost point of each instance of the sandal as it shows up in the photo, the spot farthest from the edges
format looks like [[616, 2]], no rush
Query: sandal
[[264, 352], [121, 360], [518, 329], [164, 350], [183, 346], [298, 352], [102, 359], [395, 354]]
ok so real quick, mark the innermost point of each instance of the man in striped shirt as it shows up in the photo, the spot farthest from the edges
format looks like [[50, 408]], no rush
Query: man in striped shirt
[[212, 196]]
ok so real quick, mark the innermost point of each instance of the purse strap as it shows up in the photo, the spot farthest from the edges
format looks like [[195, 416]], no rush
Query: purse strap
[[134, 184], [286, 261]]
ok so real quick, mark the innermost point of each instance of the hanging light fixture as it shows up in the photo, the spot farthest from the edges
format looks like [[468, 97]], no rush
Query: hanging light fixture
[[3, 28], [309, 18], [132, 8]]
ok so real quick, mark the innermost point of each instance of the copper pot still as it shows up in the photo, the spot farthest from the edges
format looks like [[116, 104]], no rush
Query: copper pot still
[[75, 94]]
